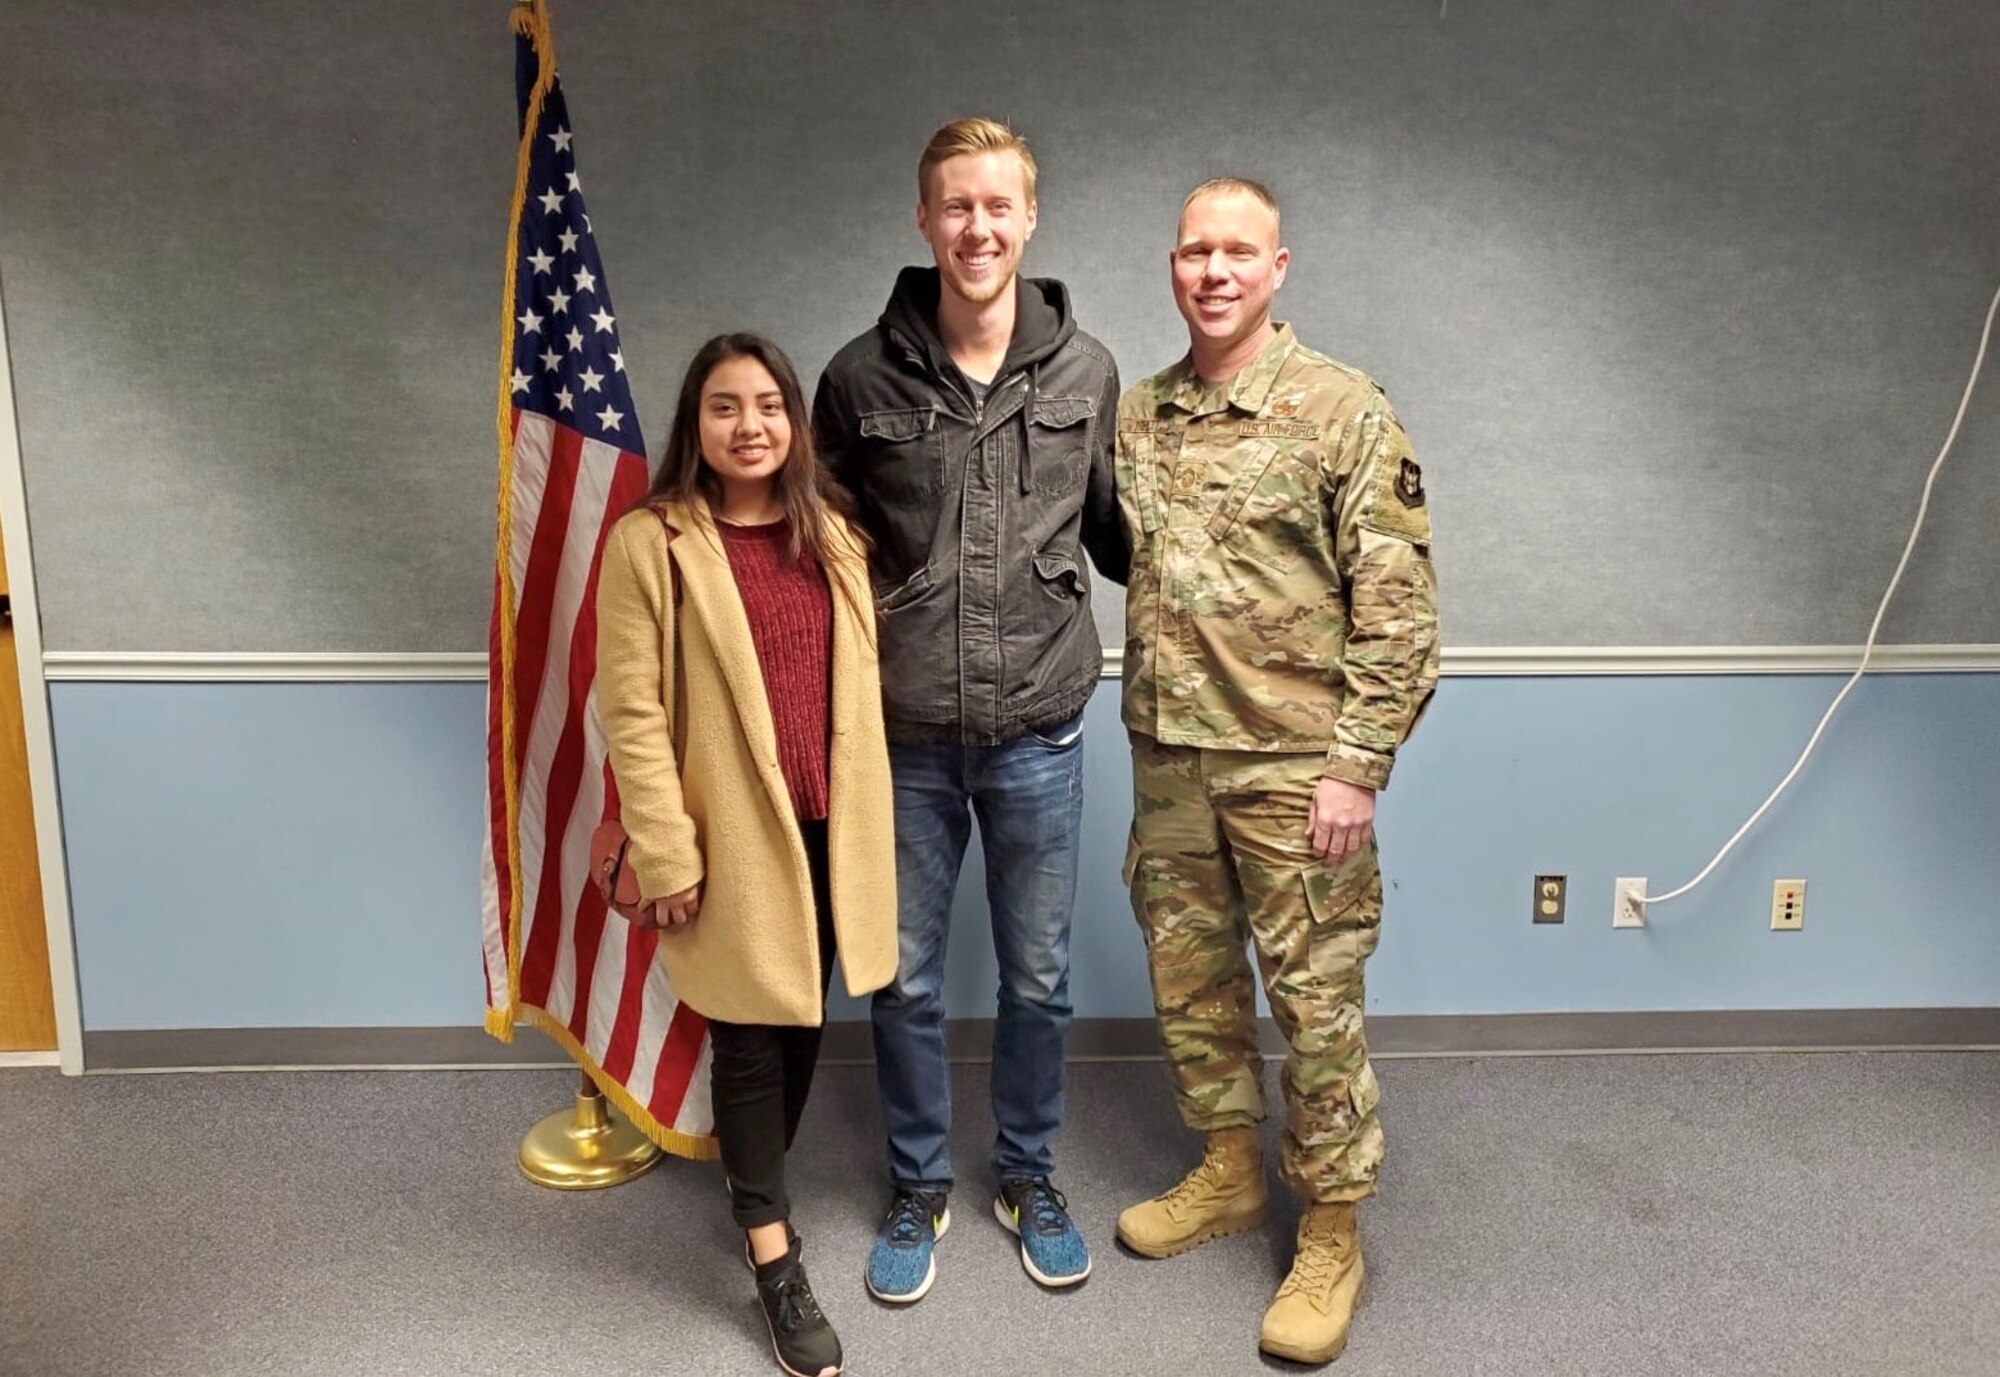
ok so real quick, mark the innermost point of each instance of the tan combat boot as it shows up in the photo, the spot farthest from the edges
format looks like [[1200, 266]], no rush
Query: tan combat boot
[[1224, 1195], [1308, 1321]]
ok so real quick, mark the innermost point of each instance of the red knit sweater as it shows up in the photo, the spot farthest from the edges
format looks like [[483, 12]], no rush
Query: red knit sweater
[[790, 607]]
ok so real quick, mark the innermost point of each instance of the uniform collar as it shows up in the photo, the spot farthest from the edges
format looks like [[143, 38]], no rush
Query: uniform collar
[[1247, 391]]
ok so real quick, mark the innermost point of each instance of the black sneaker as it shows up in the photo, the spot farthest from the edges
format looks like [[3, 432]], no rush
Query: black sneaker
[[801, 1337]]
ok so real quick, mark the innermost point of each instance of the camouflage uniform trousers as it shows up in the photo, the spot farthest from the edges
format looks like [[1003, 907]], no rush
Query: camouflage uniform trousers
[[1219, 853]]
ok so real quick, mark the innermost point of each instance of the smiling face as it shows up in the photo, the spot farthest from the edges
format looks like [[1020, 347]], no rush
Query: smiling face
[[1227, 265], [746, 435], [978, 214]]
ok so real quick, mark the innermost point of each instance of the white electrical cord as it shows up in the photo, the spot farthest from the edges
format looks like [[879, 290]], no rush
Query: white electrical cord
[[1868, 651]]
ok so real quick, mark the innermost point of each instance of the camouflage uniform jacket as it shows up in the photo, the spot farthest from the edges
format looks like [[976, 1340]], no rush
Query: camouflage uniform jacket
[[1281, 596]]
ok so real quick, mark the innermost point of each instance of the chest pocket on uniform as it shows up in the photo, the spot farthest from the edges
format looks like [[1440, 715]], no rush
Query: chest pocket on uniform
[[906, 453], [1058, 445], [1271, 513]]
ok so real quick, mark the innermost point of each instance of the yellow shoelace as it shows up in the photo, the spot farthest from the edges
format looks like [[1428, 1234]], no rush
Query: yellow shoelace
[[1202, 1178], [1321, 1254]]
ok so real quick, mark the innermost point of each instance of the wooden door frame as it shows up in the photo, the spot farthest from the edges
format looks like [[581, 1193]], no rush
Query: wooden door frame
[[37, 726]]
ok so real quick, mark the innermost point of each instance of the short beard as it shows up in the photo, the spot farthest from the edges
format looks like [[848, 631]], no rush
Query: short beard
[[971, 294]]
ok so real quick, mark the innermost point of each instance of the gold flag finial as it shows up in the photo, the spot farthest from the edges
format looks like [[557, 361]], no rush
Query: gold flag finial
[[527, 17]]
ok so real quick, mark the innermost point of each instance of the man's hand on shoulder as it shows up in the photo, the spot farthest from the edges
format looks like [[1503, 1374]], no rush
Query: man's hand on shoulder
[[1342, 821]]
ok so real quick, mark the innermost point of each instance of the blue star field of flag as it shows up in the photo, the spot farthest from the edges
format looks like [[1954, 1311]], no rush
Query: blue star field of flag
[[567, 362]]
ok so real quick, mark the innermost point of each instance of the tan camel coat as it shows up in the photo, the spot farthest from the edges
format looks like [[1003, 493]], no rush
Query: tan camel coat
[[696, 759]]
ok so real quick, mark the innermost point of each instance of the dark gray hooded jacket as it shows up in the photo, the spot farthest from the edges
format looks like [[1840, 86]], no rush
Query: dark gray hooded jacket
[[980, 511]]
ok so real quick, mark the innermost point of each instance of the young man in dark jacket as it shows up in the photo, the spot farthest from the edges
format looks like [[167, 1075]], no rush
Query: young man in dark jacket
[[974, 425]]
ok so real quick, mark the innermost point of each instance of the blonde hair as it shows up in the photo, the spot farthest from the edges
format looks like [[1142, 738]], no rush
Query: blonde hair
[[975, 134], [1256, 191]]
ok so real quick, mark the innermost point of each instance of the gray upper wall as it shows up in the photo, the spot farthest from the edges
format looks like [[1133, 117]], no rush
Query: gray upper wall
[[1676, 300]]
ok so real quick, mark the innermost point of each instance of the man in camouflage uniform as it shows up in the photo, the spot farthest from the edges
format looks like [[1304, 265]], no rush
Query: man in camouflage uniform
[[1281, 642]]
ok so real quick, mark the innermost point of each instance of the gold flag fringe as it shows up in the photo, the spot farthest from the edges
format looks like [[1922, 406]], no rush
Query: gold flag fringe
[[700, 1149], [529, 19]]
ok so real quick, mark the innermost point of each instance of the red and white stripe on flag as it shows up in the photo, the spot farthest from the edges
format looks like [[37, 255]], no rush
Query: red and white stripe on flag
[[553, 954]]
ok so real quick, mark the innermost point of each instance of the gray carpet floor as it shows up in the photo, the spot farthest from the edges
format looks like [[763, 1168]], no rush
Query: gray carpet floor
[[1811, 1214]]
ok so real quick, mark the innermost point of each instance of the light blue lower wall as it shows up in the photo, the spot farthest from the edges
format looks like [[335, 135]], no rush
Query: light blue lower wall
[[273, 855], [250, 855]]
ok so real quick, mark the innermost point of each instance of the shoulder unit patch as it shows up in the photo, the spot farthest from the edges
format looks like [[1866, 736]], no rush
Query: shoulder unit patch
[[1410, 483]]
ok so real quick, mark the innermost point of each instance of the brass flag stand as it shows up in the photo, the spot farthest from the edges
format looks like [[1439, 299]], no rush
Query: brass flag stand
[[586, 1147]]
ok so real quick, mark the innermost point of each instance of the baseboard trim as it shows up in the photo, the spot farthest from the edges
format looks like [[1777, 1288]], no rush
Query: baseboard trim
[[1390, 1036], [91, 666], [316, 1049], [1704, 1030], [16, 1060]]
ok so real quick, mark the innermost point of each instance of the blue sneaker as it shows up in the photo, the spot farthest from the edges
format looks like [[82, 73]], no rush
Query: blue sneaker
[[1052, 1250], [900, 1267]]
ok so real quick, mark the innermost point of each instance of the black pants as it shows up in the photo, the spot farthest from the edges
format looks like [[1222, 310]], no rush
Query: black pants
[[759, 1075]]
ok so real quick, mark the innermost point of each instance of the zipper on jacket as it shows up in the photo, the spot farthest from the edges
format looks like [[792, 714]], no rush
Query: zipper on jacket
[[1000, 383]]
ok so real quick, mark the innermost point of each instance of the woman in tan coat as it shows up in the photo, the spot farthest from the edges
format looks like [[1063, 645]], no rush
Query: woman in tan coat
[[736, 673]]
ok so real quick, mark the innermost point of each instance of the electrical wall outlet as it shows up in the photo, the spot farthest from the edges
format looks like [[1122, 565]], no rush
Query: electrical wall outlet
[[1551, 893], [1788, 905], [1626, 910]]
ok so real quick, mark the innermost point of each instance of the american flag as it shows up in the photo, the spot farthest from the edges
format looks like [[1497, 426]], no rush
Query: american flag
[[571, 463]]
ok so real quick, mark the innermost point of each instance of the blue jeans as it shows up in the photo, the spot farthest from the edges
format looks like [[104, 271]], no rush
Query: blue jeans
[[1028, 797]]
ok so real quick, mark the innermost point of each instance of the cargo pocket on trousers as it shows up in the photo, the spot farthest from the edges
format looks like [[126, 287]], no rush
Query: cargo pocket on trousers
[[1346, 906], [1129, 873], [1364, 1092], [1346, 903]]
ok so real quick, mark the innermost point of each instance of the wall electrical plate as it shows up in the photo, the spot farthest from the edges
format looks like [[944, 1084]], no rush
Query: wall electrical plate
[[1626, 910], [1788, 905], [1551, 894]]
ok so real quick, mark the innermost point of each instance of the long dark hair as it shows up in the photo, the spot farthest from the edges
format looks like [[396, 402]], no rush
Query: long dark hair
[[802, 486]]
